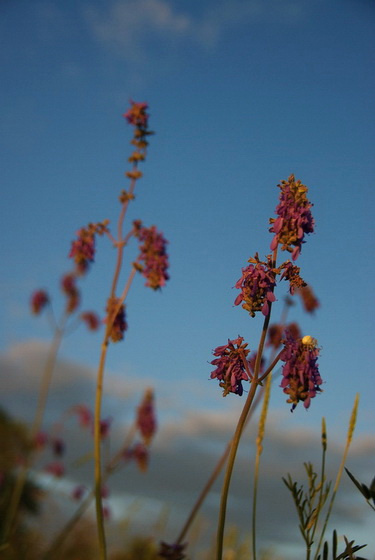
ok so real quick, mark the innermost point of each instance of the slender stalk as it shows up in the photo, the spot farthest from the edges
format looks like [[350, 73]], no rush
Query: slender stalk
[[322, 479], [259, 440], [120, 241], [212, 478], [9, 525], [100, 373], [239, 429], [97, 417], [236, 440], [97, 455], [349, 437]]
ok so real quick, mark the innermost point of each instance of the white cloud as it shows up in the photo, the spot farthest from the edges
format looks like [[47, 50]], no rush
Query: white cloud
[[186, 449], [131, 26]]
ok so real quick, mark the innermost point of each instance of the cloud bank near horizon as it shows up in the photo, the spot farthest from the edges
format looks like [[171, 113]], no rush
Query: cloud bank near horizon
[[188, 445]]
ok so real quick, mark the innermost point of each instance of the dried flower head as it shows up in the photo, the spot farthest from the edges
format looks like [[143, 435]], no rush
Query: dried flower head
[[146, 419], [309, 300], [85, 416], [137, 114], [105, 426], [118, 323], [256, 284], [153, 255], [39, 300], [294, 217], [232, 366], [290, 272], [276, 332], [78, 492], [83, 248], [141, 456], [69, 288], [91, 320], [301, 378]]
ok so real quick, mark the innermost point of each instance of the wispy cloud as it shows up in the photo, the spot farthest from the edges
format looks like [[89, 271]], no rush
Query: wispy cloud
[[130, 27]]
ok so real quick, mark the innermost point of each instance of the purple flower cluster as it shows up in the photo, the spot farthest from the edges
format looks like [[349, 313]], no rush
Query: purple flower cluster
[[232, 366], [294, 217], [119, 324], [309, 300], [290, 272], [256, 284], [83, 248], [137, 115], [301, 378], [154, 256], [39, 300], [69, 288], [146, 419], [139, 453]]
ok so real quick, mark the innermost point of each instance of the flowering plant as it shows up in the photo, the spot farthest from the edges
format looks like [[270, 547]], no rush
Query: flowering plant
[[246, 374]]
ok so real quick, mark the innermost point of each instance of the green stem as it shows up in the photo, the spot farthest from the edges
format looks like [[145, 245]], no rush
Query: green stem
[[236, 440], [239, 429], [322, 479], [98, 405], [97, 455], [341, 468], [261, 429]]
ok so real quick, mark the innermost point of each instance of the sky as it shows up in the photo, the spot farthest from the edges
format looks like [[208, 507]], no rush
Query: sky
[[241, 94]]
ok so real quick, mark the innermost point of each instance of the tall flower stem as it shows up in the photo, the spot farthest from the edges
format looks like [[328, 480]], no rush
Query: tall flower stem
[[237, 436], [138, 118], [241, 424], [120, 241], [97, 417], [213, 476], [97, 454], [35, 428], [259, 440]]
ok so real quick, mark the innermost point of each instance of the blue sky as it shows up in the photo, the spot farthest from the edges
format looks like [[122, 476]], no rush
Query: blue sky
[[241, 94]]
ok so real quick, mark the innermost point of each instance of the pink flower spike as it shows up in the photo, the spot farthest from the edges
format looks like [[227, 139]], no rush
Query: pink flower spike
[[230, 366], [294, 219], [39, 300], [146, 420], [153, 254], [91, 320], [141, 456], [84, 414], [137, 115], [78, 492], [105, 426]]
